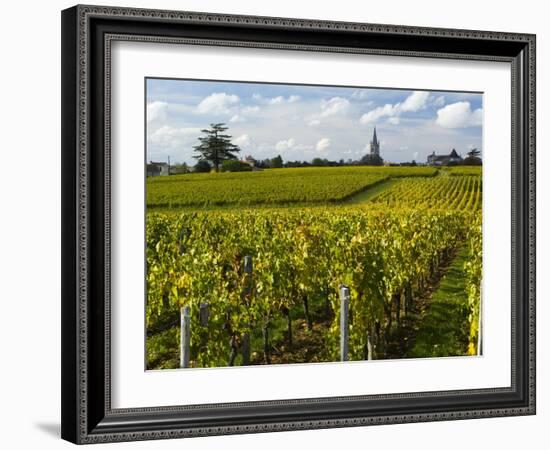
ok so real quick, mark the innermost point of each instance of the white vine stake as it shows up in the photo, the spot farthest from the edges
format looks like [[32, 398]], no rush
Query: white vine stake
[[185, 338], [344, 313]]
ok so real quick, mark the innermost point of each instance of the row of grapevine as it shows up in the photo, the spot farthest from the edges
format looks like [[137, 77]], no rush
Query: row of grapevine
[[446, 193], [473, 269], [276, 186], [299, 256], [460, 171]]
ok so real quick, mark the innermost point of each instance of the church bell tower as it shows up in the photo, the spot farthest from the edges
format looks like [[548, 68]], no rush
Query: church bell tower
[[374, 145]]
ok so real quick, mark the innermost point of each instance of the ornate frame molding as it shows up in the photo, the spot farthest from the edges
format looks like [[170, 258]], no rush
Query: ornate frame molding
[[83, 421]]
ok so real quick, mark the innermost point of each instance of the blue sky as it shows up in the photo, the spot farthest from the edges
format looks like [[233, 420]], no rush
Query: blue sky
[[304, 122]]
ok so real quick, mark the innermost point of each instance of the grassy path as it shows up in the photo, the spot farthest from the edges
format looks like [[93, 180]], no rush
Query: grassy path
[[371, 192], [444, 329]]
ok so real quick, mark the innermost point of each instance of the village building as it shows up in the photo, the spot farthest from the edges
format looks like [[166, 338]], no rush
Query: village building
[[158, 169], [444, 160], [249, 160]]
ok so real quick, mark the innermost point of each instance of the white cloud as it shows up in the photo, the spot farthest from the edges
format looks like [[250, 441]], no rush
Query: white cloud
[[439, 101], [323, 144], [168, 137], [241, 113], [334, 106], [218, 103], [360, 94], [281, 146], [236, 118], [156, 111], [459, 115], [250, 109], [394, 120], [388, 110], [276, 100], [415, 102], [242, 141]]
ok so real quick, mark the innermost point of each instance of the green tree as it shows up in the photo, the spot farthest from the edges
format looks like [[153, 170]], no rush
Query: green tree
[[232, 165], [215, 146], [202, 167], [277, 162], [371, 159], [473, 158], [319, 162]]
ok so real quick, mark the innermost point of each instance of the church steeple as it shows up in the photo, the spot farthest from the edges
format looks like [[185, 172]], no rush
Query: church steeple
[[374, 144]]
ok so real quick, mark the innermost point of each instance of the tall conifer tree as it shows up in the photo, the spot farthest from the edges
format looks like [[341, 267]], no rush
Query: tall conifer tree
[[215, 146]]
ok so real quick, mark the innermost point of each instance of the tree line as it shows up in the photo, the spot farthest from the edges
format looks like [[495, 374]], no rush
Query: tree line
[[215, 152]]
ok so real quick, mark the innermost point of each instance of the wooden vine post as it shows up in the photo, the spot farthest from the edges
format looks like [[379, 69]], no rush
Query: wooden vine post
[[185, 336], [344, 316], [248, 268]]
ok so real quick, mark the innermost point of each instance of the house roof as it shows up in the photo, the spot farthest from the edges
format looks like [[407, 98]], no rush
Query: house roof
[[453, 154]]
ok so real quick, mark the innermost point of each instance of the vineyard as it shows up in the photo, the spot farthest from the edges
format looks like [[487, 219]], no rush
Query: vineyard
[[462, 193], [265, 285], [276, 186], [463, 170]]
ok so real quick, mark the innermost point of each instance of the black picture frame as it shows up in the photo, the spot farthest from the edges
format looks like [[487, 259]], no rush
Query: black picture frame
[[87, 416]]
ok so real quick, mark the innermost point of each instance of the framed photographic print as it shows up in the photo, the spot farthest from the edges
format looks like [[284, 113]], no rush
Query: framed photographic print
[[278, 224]]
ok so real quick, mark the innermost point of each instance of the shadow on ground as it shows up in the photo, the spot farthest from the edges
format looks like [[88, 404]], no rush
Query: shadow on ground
[[53, 429]]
